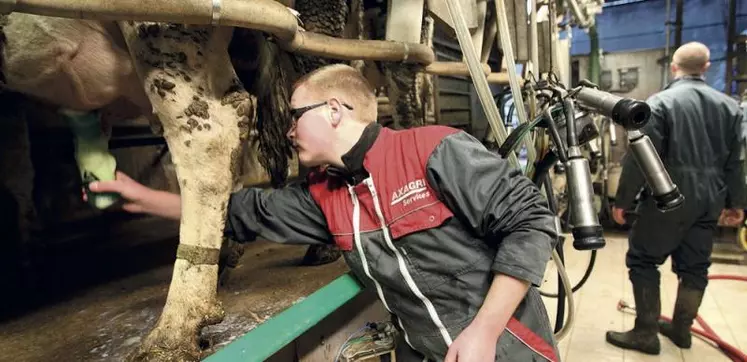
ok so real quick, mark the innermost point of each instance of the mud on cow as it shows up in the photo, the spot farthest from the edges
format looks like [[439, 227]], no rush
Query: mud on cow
[[210, 90]]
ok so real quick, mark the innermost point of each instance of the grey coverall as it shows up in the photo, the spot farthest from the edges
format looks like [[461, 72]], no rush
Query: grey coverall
[[697, 133]]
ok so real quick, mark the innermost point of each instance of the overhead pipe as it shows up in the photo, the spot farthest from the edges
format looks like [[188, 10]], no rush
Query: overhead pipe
[[264, 15]]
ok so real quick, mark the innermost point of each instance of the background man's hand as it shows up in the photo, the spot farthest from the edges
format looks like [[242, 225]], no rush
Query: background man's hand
[[618, 215], [731, 217]]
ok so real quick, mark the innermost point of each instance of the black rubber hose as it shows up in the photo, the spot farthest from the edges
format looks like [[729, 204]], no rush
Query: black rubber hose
[[583, 280]]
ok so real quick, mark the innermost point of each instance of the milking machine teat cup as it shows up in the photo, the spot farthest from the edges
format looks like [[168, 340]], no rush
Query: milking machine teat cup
[[632, 115], [588, 233]]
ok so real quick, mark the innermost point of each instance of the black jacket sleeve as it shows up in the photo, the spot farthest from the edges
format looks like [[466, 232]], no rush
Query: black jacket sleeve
[[734, 168], [632, 179], [497, 202], [288, 215]]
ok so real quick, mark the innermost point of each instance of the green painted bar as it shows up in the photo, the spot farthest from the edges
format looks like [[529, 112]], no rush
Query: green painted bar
[[272, 335]]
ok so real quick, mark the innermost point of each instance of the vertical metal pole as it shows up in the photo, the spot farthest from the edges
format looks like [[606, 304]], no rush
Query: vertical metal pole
[[678, 24], [533, 39], [533, 53], [513, 78], [730, 33]]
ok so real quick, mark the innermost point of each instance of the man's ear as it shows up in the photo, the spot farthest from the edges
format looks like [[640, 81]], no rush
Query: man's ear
[[705, 68], [335, 112]]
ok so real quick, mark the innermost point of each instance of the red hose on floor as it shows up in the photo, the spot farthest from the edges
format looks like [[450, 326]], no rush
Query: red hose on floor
[[707, 332]]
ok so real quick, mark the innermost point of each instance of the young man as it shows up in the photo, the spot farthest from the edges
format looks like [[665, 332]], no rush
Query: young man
[[450, 236], [697, 133]]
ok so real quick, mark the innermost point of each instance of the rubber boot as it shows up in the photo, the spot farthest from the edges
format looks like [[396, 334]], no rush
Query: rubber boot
[[644, 336], [685, 311]]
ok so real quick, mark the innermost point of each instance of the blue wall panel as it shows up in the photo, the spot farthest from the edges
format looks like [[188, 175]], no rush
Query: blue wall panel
[[640, 26]]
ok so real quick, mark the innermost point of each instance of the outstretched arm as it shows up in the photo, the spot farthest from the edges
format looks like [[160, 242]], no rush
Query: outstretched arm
[[288, 215]]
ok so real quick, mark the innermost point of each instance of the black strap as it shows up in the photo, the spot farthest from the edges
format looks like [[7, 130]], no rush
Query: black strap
[[198, 255]]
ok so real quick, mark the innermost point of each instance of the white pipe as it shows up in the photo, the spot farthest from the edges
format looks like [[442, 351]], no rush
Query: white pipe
[[478, 77]]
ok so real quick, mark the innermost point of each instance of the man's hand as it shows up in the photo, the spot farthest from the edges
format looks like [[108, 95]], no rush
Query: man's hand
[[618, 215], [475, 344], [139, 198], [132, 191], [731, 217]]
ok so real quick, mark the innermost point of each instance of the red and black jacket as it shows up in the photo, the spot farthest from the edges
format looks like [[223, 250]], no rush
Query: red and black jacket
[[425, 217]]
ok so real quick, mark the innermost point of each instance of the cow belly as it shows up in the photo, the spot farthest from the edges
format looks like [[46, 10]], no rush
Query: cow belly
[[74, 64]]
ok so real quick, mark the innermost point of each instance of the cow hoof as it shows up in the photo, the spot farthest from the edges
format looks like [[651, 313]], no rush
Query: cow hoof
[[230, 254], [320, 255]]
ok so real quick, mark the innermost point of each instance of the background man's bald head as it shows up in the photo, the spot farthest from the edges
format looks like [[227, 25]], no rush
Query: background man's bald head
[[692, 58]]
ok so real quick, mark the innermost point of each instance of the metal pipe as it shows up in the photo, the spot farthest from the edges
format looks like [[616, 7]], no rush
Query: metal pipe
[[678, 23], [498, 78], [264, 15], [594, 64], [533, 54], [508, 55], [478, 78], [552, 18]]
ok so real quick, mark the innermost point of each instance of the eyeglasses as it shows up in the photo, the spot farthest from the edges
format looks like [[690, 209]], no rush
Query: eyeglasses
[[296, 113]]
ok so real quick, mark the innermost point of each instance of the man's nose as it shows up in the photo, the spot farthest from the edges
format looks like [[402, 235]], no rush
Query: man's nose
[[291, 133]]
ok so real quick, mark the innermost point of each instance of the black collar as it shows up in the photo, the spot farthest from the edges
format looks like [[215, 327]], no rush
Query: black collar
[[685, 79], [354, 172]]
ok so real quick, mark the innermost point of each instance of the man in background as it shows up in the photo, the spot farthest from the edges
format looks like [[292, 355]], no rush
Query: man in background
[[697, 133]]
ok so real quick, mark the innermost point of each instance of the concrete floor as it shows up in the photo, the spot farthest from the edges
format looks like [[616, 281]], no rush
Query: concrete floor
[[596, 303]]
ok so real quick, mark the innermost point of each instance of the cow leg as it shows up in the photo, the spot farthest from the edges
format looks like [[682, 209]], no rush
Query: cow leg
[[402, 82], [205, 111]]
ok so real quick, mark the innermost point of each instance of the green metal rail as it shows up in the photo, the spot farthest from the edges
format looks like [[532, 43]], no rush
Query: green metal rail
[[275, 333]]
